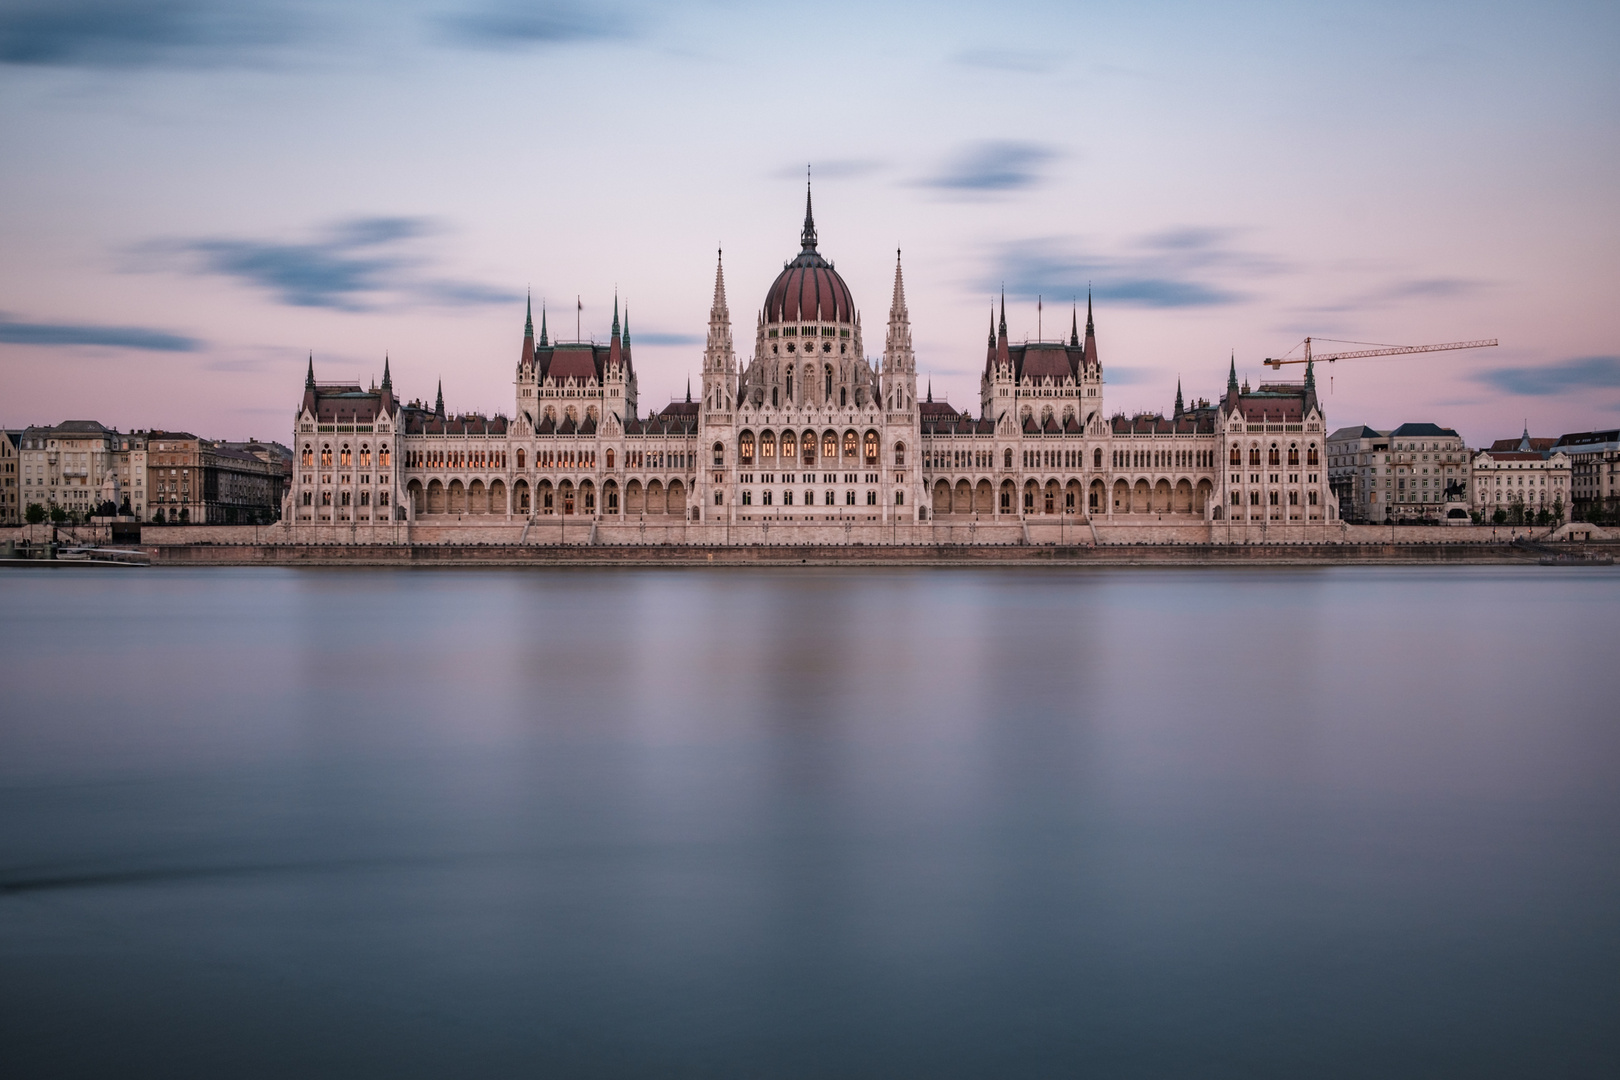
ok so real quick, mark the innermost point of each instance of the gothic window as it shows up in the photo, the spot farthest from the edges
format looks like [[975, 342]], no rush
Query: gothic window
[[767, 448], [326, 455], [610, 458], [382, 497], [1007, 463], [365, 498], [849, 498], [774, 402], [719, 454], [326, 498], [899, 454], [1293, 454], [808, 445], [787, 498], [1254, 456], [850, 442], [520, 458], [382, 456], [790, 446], [843, 393], [746, 449], [829, 499], [829, 445], [309, 457], [1310, 455], [365, 455], [790, 379], [1274, 456], [309, 497], [828, 373], [345, 457], [871, 448], [1273, 498]]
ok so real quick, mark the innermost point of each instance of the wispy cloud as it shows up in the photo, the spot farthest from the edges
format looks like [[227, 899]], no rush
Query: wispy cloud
[[1191, 267], [1017, 61], [835, 169], [659, 338], [118, 337], [142, 33], [358, 265], [516, 24], [993, 165], [1583, 373]]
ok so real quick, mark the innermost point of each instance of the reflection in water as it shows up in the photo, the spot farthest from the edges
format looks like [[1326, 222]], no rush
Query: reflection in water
[[865, 823]]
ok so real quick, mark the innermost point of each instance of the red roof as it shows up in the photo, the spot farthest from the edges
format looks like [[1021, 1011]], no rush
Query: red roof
[[809, 289]]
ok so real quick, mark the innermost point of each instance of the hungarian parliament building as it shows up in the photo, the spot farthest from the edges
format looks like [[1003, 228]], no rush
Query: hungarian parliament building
[[808, 440]]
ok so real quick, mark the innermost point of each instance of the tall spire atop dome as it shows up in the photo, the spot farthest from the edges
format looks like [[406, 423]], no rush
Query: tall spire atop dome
[[807, 237]]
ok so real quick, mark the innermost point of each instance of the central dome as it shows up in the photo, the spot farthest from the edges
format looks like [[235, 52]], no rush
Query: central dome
[[808, 289]]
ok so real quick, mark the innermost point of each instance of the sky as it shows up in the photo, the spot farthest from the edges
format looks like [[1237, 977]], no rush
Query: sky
[[197, 196]]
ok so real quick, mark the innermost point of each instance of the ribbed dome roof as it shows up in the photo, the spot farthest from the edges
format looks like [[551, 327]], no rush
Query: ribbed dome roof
[[808, 288]]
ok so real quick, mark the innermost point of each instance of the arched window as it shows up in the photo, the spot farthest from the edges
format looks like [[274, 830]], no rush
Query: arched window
[[871, 448], [789, 387], [1293, 454], [899, 454], [520, 457], [365, 455], [843, 396], [774, 402], [326, 455], [767, 449], [808, 446], [344, 457], [719, 454], [610, 457], [1007, 459], [829, 445], [790, 446], [1274, 456], [309, 456], [1096, 458], [1310, 456], [746, 449], [829, 382], [851, 444], [1254, 456]]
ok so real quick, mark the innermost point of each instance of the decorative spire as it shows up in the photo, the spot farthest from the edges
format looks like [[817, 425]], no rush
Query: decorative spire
[[1524, 440], [1074, 326], [1092, 359], [528, 316], [543, 341], [627, 326], [807, 237], [992, 326], [689, 389], [930, 389], [1179, 408], [1231, 375], [388, 378], [438, 406], [309, 379], [1090, 327], [1002, 330], [615, 314]]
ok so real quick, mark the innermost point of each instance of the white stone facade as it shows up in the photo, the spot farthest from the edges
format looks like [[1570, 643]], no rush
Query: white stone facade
[[807, 439]]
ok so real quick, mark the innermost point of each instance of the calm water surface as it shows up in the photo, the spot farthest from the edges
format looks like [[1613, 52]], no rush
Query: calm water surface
[[855, 823]]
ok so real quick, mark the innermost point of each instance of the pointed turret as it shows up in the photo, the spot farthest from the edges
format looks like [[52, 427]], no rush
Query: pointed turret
[[615, 342], [1092, 360], [1231, 376], [992, 342], [807, 236], [1179, 408], [1524, 440], [543, 341], [528, 333], [1001, 331], [1310, 385], [309, 378], [388, 377], [930, 389], [719, 361], [438, 405], [897, 352], [689, 389], [1074, 327], [310, 403]]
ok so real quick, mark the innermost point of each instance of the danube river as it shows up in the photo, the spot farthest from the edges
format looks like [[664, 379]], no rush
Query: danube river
[[1273, 823]]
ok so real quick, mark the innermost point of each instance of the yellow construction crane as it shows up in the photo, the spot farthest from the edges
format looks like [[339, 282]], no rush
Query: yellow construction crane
[[1276, 363]]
